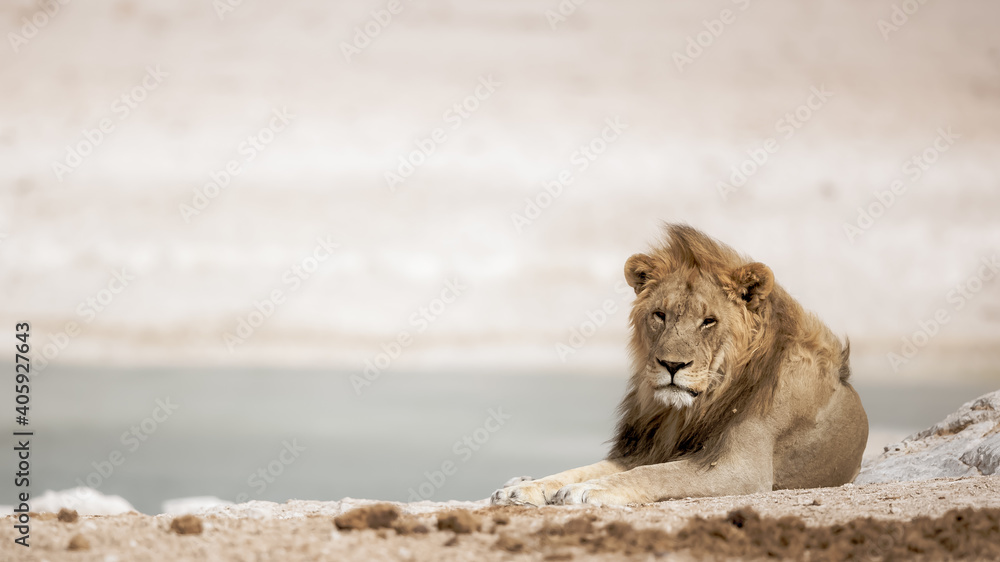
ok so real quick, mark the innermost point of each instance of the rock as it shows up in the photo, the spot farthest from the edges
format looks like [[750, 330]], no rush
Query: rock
[[184, 506], [86, 501], [966, 443], [985, 457]]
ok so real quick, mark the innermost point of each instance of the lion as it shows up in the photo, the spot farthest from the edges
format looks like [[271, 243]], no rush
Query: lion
[[735, 389]]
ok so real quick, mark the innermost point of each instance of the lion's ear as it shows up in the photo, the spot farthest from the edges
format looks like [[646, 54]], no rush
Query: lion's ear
[[640, 270], [751, 284]]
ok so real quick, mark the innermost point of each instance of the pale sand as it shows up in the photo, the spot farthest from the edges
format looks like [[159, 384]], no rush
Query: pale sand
[[304, 530]]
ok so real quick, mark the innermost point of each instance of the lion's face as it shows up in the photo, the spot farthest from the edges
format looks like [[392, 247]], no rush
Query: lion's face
[[684, 327], [686, 322]]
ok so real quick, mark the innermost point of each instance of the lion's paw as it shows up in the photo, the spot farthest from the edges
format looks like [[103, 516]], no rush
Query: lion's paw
[[524, 493], [575, 494], [588, 493]]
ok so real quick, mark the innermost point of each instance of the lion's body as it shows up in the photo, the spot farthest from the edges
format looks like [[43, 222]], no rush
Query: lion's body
[[821, 426], [735, 389]]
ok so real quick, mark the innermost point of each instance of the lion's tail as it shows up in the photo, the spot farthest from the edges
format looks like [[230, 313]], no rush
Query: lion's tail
[[845, 361]]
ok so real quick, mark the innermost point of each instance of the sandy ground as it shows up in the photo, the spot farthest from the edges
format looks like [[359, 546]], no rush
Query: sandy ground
[[831, 520]]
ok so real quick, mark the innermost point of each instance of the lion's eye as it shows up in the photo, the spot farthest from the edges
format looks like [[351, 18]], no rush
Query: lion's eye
[[659, 316], [708, 322]]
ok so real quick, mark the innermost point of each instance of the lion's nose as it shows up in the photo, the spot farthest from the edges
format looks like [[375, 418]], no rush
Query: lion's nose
[[673, 366]]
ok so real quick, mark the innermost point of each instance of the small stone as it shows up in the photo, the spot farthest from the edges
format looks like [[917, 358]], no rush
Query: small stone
[[68, 515], [186, 525], [78, 542]]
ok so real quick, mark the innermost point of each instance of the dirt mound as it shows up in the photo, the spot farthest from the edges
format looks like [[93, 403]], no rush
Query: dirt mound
[[460, 521], [378, 516], [958, 534], [964, 533]]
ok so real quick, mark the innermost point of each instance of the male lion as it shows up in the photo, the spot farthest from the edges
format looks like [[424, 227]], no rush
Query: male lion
[[735, 389]]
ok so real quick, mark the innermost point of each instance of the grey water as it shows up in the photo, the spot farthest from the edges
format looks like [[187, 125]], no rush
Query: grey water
[[268, 434]]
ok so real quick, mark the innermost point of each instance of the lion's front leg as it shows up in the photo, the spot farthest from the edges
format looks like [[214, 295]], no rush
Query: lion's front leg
[[524, 491], [677, 479]]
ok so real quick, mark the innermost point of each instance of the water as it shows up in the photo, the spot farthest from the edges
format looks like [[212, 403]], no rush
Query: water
[[391, 442]]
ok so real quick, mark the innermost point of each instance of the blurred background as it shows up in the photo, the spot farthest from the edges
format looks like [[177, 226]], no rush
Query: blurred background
[[373, 226]]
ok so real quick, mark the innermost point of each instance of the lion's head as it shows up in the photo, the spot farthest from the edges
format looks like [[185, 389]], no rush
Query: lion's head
[[697, 306], [709, 331]]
